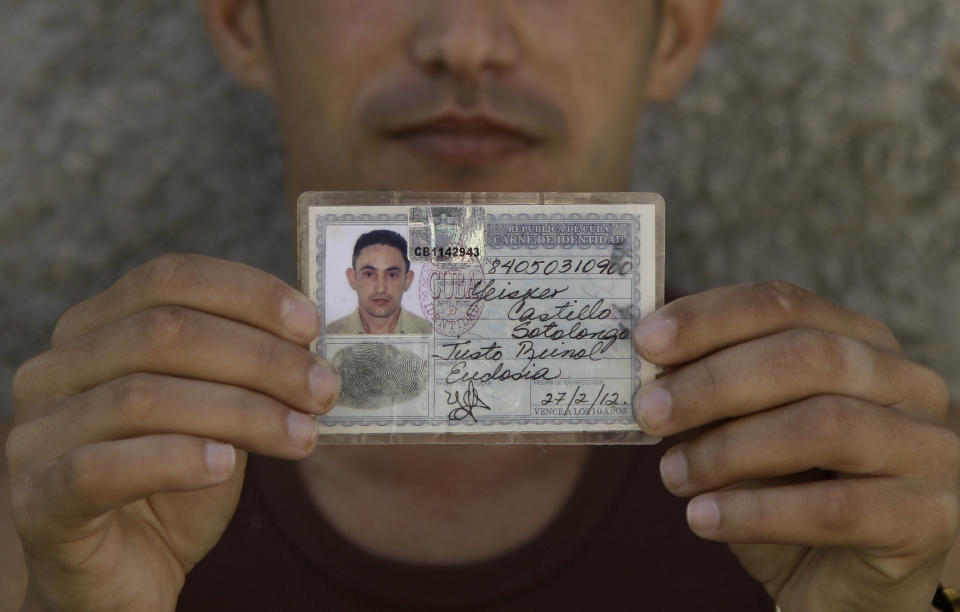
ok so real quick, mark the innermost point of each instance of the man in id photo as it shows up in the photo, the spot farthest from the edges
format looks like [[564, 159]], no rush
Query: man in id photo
[[380, 275]]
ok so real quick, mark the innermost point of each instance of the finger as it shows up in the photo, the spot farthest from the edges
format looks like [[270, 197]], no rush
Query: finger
[[784, 368], [888, 515], [146, 404], [700, 324], [228, 289], [833, 433], [186, 343], [94, 479]]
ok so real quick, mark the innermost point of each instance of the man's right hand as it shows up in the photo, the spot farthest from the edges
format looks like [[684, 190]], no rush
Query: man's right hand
[[126, 460]]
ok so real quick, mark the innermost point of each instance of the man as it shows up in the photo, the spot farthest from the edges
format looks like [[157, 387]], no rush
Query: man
[[806, 440], [380, 275]]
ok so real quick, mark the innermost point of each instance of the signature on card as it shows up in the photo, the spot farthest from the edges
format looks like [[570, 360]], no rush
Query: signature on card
[[464, 404]]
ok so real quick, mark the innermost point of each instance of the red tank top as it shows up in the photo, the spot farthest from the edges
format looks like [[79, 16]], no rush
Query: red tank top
[[620, 543]]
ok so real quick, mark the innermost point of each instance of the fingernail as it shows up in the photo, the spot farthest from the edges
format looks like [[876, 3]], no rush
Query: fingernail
[[653, 407], [703, 514], [673, 469], [655, 334], [302, 428], [324, 384], [300, 317], [219, 457]]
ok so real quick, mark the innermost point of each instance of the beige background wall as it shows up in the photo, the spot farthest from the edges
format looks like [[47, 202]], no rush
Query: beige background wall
[[819, 143]]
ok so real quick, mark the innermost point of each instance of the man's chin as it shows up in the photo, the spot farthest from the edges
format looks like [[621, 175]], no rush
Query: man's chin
[[516, 173], [380, 313]]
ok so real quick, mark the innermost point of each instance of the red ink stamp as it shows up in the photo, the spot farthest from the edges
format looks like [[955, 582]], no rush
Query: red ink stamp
[[450, 296]]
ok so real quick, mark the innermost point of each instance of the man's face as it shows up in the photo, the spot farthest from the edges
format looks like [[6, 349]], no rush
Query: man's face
[[459, 94], [380, 279]]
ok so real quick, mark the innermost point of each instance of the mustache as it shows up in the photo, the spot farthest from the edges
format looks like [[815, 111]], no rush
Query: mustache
[[404, 106]]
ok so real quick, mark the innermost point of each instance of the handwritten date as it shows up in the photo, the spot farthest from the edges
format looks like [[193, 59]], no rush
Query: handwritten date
[[568, 401]]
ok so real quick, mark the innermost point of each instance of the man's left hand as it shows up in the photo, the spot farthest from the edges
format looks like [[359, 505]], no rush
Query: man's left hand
[[814, 447]]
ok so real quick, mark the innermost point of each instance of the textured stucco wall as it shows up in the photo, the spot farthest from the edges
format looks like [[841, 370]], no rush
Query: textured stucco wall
[[819, 143]]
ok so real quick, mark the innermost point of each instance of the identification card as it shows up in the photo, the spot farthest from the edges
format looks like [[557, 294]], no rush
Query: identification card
[[482, 317]]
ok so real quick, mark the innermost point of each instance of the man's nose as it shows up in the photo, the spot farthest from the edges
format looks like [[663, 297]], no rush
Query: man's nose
[[465, 38]]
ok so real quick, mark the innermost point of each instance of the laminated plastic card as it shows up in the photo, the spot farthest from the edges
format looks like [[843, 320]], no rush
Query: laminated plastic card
[[482, 317]]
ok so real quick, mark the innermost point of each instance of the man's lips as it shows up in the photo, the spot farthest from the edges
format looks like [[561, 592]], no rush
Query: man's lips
[[463, 140]]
